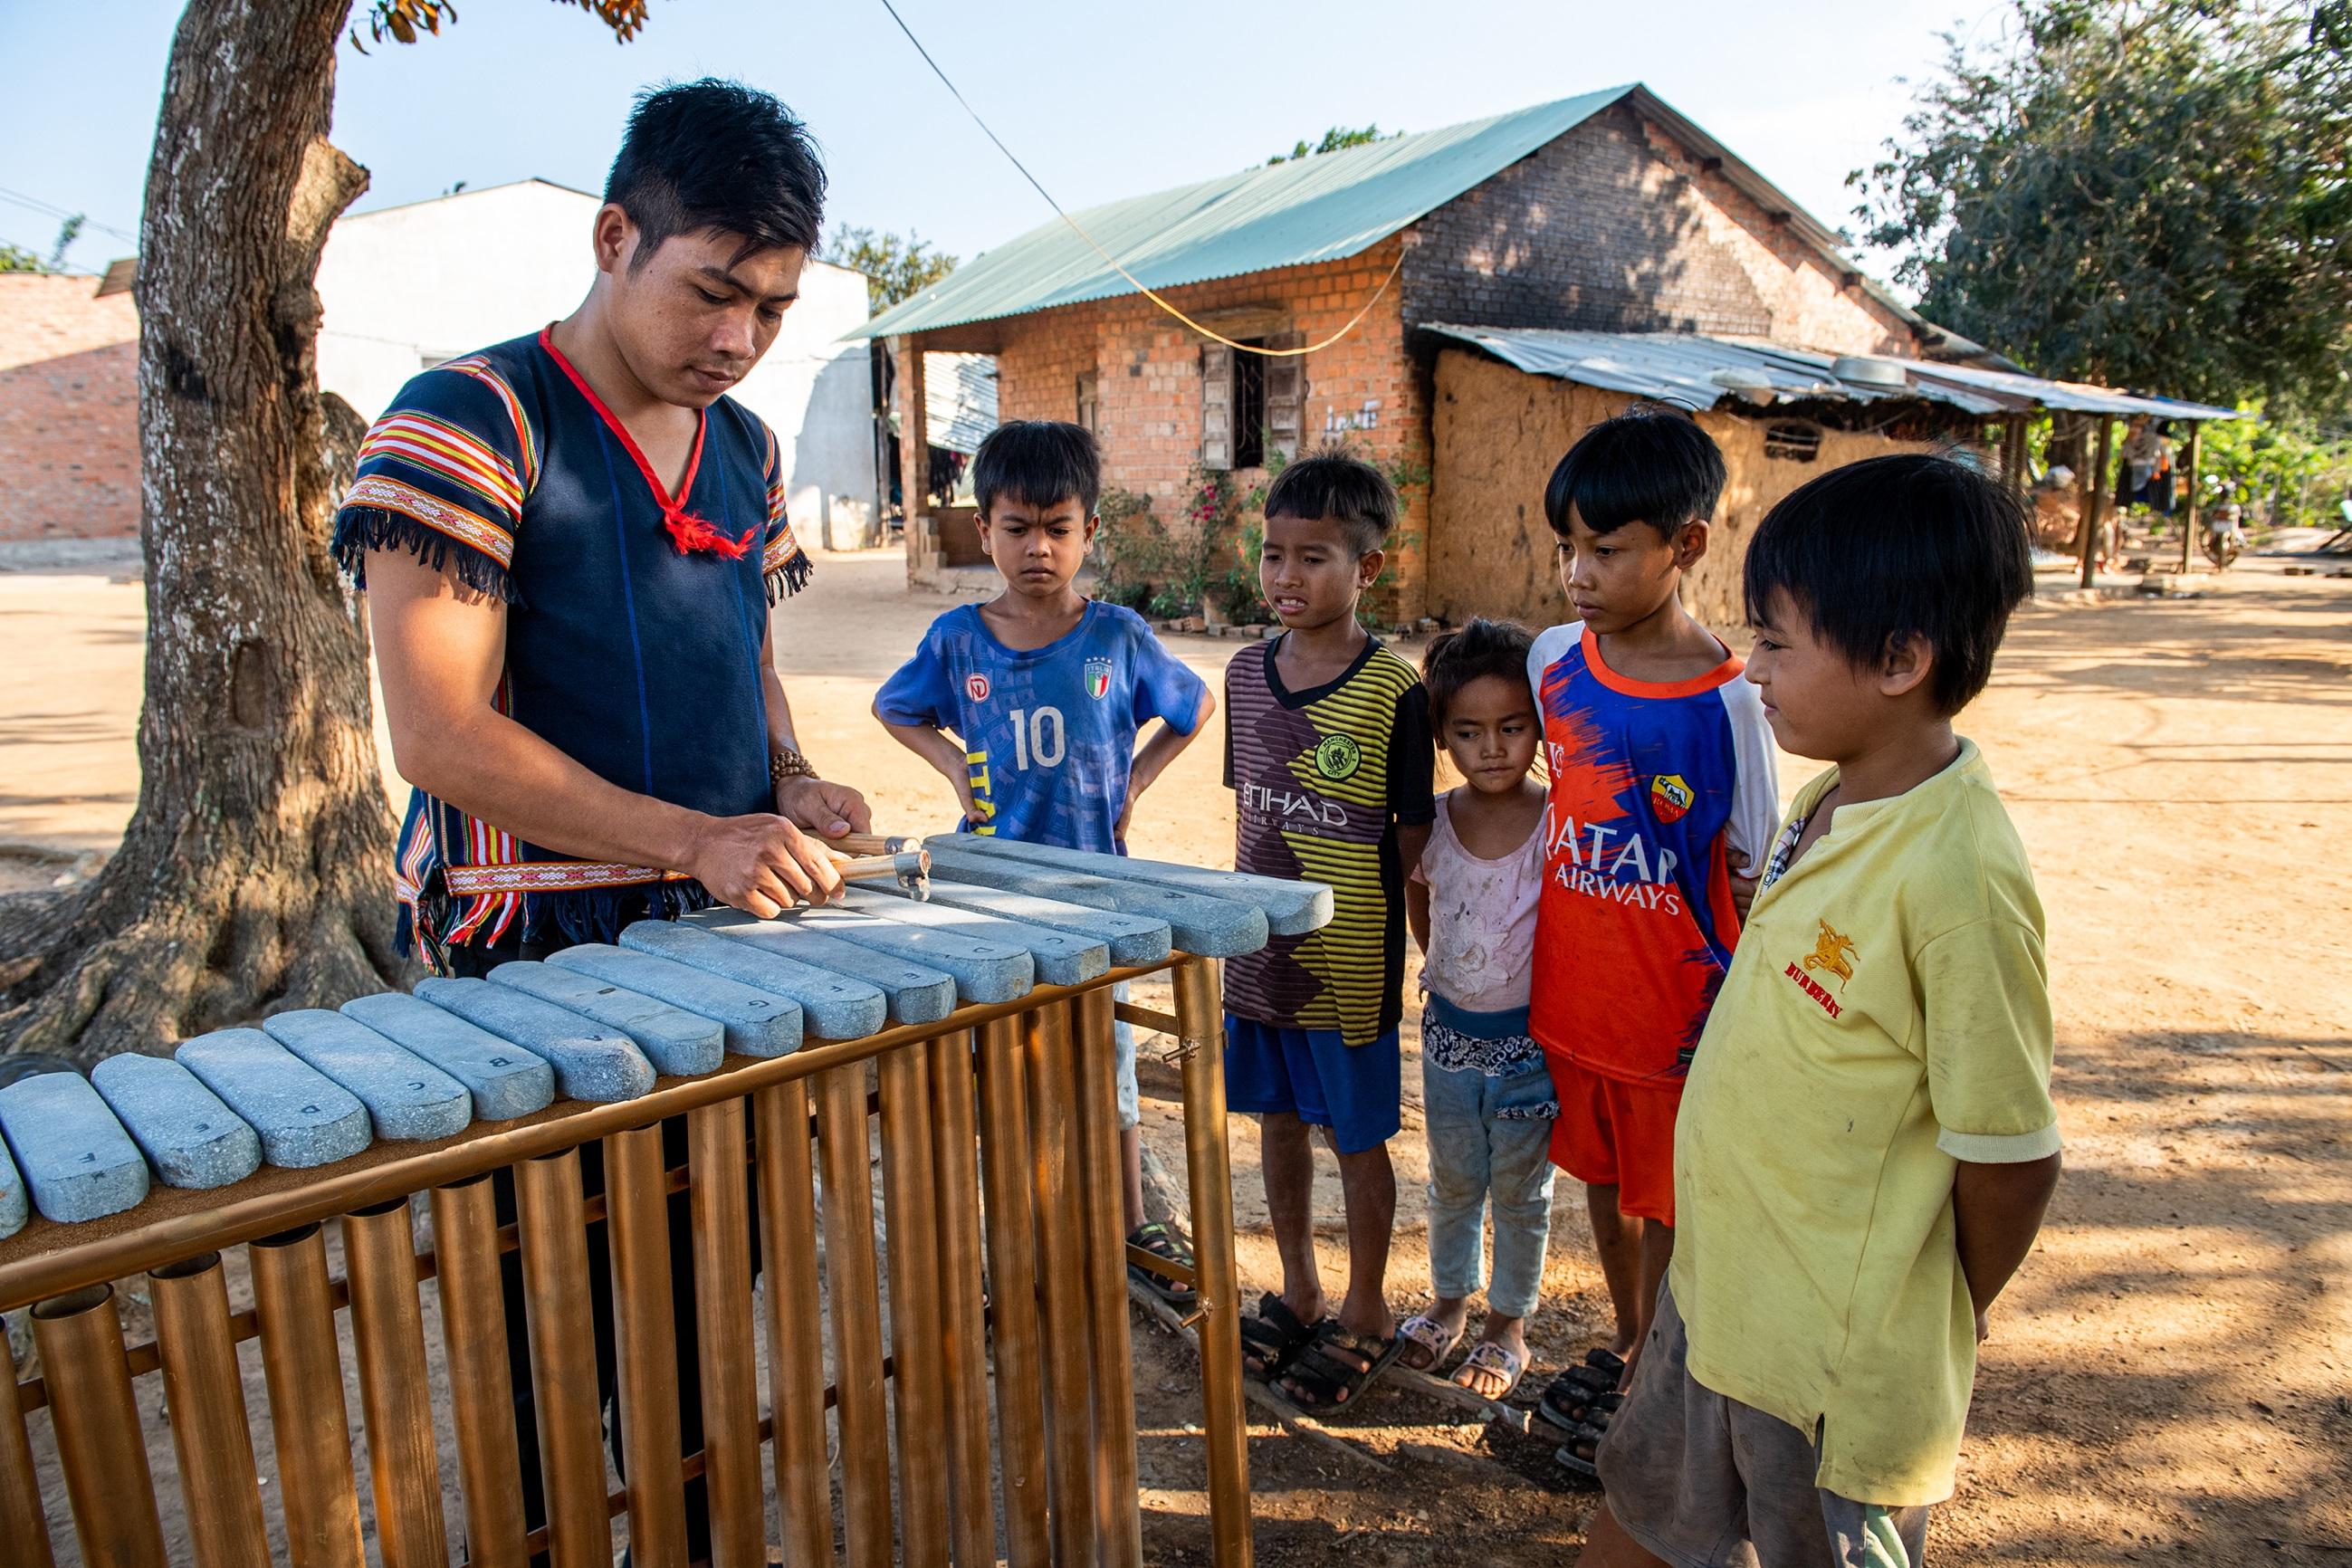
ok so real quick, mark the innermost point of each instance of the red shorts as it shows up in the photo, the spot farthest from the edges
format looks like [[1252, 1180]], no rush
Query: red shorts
[[1614, 1132]]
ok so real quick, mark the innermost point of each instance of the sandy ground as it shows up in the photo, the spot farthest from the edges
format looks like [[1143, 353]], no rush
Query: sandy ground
[[2171, 1376]]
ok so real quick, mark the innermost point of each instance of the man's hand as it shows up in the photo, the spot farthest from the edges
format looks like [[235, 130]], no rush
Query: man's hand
[[763, 864], [827, 809]]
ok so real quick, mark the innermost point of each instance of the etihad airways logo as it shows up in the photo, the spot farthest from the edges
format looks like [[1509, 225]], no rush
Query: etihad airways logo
[[1600, 861], [1291, 806]]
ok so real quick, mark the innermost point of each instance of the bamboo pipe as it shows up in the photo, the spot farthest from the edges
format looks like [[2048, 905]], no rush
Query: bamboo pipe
[[1012, 1264], [563, 1360], [856, 1315], [22, 1520], [1119, 1524], [47, 1259], [96, 1421], [1202, 1030], [481, 1390], [636, 1205], [795, 1349], [716, 1155], [1061, 1280], [309, 1421], [204, 1393], [962, 1347], [388, 1337], [910, 1200]]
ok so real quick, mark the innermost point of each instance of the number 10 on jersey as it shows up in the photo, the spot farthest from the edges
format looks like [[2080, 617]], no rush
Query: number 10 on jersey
[[1036, 738]]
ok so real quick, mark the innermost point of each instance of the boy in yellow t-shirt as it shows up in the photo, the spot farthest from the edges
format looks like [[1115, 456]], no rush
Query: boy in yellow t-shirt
[[1867, 1143]]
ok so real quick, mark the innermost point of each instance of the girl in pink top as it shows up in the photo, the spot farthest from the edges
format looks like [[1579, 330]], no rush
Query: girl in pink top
[[1487, 1097]]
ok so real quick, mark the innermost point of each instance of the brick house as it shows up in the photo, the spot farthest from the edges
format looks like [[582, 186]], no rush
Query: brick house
[[1474, 298], [69, 409]]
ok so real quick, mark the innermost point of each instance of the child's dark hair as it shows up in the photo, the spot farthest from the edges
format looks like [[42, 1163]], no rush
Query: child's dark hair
[[1899, 546], [1649, 464], [1338, 485], [1039, 463], [1456, 658], [718, 154]]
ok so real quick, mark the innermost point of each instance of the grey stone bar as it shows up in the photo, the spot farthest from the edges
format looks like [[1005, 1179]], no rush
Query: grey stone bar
[[188, 1133], [505, 1080], [1291, 908], [984, 971], [915, 993], [679, 1043], [1132, 939], [755, 1023], [1210, 928], [833, 1007], [78, 1162], [304, 1117], [1060, 957], [408, 1098], [592, 1061]]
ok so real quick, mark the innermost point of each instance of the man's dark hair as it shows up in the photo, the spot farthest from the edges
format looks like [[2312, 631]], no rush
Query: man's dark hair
[[1037, 462], [1898, 546], [1454, 659], [718, 154], [1342, 486], [1649, 464]]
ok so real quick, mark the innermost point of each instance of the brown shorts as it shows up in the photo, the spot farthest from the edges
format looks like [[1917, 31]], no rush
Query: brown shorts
[[1708, 1482]]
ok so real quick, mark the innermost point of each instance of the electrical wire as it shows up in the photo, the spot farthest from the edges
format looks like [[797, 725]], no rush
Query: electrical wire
[[53, 210], [1079, 229]]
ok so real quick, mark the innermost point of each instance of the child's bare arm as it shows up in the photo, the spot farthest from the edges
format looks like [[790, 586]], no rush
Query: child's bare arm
[[946, 757], [1410, 841], [1416, 911], [1152, 758], [1997, 1212]]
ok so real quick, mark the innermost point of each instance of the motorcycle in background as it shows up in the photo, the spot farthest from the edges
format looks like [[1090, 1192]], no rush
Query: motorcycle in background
[[2224, 538]]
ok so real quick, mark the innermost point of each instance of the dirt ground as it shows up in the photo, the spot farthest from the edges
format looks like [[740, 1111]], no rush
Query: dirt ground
[[2170, 1377]]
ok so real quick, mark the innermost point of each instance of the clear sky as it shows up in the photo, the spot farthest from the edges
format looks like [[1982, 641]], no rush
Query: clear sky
[[1101, 98]]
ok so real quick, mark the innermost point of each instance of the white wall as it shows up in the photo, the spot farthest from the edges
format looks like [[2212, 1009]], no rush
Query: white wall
[[411, 286]]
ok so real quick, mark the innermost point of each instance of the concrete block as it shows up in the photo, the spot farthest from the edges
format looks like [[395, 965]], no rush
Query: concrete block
[[304, 1117], [408, 1098], [984, 971], [1132, 940], [592, 1061], [679, 1043], [835, 1006], [755, 1023], [76, 1161], [1210, 928], [505, 1080], [189, 1135], [1291, 908], [1060, 957], [13, 1210], [913, 993]]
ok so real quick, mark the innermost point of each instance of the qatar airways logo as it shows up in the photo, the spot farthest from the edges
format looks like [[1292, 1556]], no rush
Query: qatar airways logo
[[1600, 861]]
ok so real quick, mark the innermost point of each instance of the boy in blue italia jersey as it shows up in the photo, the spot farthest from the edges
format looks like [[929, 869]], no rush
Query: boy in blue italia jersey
[[1045, 691]]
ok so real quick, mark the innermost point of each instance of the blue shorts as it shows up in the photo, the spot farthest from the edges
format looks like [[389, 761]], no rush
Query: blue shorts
[[1315, 1075]]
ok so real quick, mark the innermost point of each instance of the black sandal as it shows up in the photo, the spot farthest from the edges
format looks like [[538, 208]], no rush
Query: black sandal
[[1568, 1401], [1161, 1242], [1324, 1375], [1582, 1452], [1272, 1338]]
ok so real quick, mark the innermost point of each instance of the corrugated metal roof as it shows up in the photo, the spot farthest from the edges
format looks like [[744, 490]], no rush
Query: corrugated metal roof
[[1701, 372], [1319, 208], [959, 400]]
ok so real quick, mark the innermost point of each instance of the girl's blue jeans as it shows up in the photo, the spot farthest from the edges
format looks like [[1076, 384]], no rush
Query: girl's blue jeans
[[1489, 1138]]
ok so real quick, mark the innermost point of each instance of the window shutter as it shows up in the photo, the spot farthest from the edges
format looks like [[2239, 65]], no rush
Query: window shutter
[[1285, 397], [1216, 407], [1090, 401]]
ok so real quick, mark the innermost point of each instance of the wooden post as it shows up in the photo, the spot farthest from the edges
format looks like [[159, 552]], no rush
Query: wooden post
[[2013, 460], [2188, 519], [914, 458], [2095, 496]]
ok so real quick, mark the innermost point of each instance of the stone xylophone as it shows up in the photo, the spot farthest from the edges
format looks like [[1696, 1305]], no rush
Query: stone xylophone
[[986, 1013]]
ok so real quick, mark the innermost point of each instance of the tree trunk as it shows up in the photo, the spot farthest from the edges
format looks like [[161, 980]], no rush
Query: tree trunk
[[257, 872]]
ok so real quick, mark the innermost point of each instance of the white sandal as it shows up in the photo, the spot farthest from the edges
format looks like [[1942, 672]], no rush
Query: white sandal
[[1430, 1334], [1500, 1359]]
